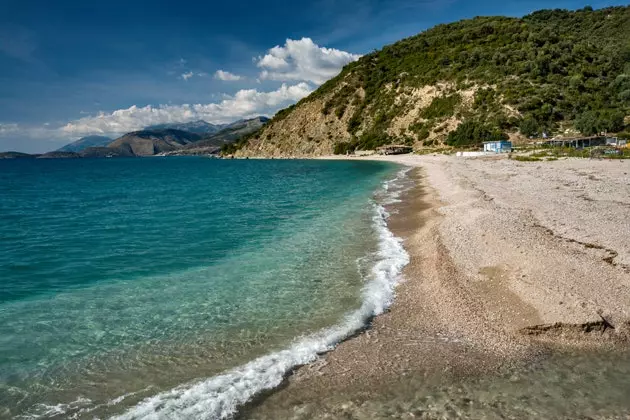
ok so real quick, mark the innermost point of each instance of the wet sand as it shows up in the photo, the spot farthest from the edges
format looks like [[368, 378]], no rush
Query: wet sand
[[507, 279]]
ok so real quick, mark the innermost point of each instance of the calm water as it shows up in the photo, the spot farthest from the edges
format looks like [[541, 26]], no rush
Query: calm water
[[178, 287]]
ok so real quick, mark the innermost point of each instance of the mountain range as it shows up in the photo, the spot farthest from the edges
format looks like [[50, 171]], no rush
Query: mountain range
[[198, 127], [191, 138], [201, 138]]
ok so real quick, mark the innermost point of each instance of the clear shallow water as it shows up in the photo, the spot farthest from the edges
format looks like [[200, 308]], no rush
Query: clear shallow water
[[124, 278], [562, 385]]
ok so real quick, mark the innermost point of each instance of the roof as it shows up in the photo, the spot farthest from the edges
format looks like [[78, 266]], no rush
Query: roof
[[497, 141]]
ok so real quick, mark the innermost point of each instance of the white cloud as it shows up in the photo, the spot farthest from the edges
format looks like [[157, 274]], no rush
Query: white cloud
[[300, 61], [8, 128], [303, 60], [245, 103], [226, 76]]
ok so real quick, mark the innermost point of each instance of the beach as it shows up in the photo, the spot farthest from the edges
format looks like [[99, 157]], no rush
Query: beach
[[515, 301]]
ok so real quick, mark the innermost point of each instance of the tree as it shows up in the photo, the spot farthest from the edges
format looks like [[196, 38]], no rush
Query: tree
[[473, 132], [529, 127], [588, 123]]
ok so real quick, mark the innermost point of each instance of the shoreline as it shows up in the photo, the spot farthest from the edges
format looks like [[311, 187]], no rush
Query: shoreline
[[457, 317]]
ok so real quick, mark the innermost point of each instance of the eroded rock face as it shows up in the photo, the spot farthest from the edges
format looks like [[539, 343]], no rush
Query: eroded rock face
[[306, 132], [312, 129]]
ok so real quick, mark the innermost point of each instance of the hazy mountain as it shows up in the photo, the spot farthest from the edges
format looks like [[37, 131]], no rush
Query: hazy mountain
[[231, 133], [198, 127], [152, 142], [85, 142], [15, 155]]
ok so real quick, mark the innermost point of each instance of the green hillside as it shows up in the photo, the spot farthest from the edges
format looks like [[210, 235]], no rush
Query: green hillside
[[549, 71]]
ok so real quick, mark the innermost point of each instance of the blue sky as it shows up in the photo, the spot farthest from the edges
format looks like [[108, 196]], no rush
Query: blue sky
[[73, 68]]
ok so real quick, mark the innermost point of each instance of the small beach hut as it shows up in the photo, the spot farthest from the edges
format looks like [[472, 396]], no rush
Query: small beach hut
[[500, 146]]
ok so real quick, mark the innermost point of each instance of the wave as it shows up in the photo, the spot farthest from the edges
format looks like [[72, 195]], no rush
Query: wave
[[219, 397]]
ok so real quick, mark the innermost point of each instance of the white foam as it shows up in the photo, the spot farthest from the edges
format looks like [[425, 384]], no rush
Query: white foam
[[220, 396], [46, 411]]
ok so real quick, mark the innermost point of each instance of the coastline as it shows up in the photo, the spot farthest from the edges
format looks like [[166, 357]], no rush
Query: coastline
[[492, 286]]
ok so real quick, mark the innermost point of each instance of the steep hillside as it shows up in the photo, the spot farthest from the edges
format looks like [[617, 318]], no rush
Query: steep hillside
[[85, 142], [152, 142], [553, 71]]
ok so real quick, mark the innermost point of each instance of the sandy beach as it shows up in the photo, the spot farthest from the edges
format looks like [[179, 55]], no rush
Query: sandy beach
[[518, 270]]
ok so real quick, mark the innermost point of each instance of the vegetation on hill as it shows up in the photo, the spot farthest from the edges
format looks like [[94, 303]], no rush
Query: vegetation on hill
[[545, 72]]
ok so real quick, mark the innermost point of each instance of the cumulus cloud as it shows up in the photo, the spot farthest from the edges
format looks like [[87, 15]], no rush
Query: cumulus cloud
[[226, 76], [303, 60], [245, 103], [187, 75]]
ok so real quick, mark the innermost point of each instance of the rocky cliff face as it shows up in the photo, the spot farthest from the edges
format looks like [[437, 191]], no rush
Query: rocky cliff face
[[305, 132], [312, 129]]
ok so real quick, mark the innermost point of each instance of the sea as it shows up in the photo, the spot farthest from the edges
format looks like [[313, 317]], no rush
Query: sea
[[182, 287]]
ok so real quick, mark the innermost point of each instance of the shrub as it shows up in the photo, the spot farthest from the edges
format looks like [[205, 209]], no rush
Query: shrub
[[473, 132], [529, 127], [441, 107]]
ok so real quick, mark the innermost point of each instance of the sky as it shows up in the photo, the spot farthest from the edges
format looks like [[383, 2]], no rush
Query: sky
[[69, 69]]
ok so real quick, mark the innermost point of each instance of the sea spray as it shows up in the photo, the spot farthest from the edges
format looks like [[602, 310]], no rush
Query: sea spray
[[220, 396]]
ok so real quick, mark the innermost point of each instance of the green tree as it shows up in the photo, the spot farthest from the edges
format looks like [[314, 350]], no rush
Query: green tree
[[529, 127], [588, 123], [473, 132]]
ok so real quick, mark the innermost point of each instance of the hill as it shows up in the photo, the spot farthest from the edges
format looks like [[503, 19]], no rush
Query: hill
[[152, 142], [462, 83], [16, 155], [198, 127], [59, 155], [85, 142]]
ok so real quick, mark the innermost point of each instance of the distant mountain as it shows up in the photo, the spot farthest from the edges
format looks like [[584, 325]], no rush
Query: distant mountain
[[198, 127], [156, 141], [153, 142], [59, 155], [15, 155], [231, 133], [85, 142], [107, 152]]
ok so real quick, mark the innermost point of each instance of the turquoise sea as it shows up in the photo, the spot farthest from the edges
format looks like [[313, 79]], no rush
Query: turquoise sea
[[181, 287]]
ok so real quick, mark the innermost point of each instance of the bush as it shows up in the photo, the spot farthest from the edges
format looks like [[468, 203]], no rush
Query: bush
[[441, 107], [473, 132], [593, 122], [529, 127]]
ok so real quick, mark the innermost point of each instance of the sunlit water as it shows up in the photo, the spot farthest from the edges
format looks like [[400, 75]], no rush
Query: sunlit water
[[177, 287]]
